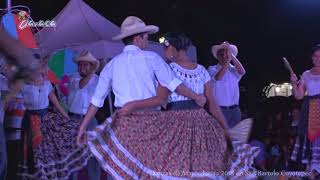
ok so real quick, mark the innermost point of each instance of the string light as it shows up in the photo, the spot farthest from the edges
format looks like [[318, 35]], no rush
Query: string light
[[161, 40]]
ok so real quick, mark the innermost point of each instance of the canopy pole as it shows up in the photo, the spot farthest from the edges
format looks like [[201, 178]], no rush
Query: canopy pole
[[8, 5]]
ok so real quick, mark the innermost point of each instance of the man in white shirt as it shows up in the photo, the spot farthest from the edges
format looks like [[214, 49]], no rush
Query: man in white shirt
[[226, 79], [134, 73], [80, 90]]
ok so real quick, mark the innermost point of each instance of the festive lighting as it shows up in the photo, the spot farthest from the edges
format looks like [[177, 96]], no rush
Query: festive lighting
[[161, 40], [284, 89]]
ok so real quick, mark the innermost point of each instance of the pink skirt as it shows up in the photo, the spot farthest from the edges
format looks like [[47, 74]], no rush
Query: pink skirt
[[165, 145]]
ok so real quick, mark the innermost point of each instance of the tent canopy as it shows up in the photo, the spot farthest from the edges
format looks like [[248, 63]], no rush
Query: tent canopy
[[77, 23], [80, 27], [100, 49]]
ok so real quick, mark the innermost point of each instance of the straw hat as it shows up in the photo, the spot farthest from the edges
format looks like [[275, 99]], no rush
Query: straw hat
[[86, 56], [224, 45], [133, 25]]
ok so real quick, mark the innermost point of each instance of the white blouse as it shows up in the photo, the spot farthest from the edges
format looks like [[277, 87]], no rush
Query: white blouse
[[79, 98], [194, 79], [37, 97], [311, 83]]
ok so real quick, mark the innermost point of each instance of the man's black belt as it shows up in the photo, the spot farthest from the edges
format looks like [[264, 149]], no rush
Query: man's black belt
[[76, 115]]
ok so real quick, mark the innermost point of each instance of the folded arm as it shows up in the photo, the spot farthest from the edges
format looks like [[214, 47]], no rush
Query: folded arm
[[156, 101], [240, 69]]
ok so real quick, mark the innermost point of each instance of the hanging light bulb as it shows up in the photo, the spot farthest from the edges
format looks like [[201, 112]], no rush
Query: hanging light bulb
[[161, 40]]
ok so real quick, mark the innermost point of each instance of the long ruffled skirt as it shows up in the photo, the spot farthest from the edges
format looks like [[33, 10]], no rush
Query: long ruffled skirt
[[167, 145]]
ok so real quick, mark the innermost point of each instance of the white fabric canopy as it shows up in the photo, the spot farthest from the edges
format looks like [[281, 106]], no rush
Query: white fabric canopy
[[80, 27]]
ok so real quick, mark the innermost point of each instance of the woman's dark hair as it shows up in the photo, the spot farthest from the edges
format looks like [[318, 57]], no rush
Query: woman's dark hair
[[178, 40], [315, 48]]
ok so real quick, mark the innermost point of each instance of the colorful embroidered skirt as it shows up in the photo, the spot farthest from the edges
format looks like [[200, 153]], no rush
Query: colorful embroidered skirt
[[54, 153], [165, 145], [307, 147]]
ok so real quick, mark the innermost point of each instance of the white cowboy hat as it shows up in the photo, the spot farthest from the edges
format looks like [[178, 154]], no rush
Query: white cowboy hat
[[133, 25], [216, 48], [88, 57]]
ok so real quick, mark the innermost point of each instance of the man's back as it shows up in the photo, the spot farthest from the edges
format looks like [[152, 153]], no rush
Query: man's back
[[133, 75]]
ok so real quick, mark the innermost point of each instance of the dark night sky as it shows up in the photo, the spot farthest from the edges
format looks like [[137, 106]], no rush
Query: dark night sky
[[263, 30]]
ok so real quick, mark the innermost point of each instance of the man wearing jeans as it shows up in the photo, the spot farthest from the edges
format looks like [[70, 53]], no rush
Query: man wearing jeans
[[226, 79]]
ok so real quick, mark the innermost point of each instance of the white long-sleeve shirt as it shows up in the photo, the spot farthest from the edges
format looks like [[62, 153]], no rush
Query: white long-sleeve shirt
[[226, 90], [133, 75], [79, 98]]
